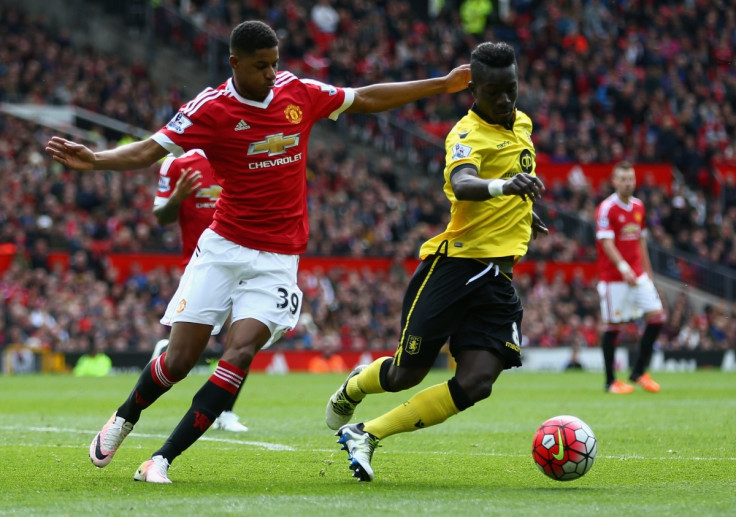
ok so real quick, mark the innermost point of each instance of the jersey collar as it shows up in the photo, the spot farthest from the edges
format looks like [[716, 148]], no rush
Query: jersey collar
[[619, 202], [484, 119], [230, 87]]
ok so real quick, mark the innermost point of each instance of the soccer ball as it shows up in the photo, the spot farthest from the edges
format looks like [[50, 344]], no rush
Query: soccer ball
[[564, 448]]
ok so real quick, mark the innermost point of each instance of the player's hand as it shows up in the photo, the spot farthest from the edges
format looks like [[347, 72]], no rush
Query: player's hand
[[457, 80], [627, 273], [71, 154], [189, 182], [524, 185], [538, 226], [629, 277]]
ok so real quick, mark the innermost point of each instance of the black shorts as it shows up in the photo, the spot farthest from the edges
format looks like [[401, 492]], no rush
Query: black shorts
[[465, 301]]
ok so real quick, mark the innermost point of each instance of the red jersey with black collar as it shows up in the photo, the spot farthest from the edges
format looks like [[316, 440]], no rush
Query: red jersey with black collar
[[625, 224], [196, 211], [259, 153]]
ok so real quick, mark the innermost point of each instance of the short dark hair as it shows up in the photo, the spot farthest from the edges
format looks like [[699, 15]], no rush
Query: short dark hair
[[247, 37], [493, 55], [623, 165]]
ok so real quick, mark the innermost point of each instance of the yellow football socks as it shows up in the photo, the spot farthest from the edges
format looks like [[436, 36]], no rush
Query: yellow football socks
[[429, 407], [366, 382]]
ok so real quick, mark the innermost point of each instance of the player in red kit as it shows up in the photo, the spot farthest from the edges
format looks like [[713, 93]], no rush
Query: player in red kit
[[187, 193], [254, 129], [625, 286]]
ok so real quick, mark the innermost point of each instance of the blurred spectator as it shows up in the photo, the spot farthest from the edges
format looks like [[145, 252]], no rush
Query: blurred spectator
[[93, 363], [325, 17], [474, 14], [329, 361], [607, 81]]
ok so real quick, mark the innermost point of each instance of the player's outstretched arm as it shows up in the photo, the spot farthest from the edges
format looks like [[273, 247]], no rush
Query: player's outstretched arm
[[524, 185], [135, 155], [467, 186], [386, 96]]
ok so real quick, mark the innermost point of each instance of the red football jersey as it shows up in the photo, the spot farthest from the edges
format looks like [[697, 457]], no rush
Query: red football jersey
[[196, 211], [259, 153], [625, 224]]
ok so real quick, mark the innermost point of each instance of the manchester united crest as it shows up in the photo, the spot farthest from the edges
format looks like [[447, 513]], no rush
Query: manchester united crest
[[182, 305], [293, 113]]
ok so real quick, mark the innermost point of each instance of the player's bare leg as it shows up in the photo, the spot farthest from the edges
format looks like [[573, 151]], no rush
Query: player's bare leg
[[245, 338]]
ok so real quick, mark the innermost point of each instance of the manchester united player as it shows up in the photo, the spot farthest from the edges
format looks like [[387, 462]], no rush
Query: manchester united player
[[254, 129], [625, 284], [187, 193]]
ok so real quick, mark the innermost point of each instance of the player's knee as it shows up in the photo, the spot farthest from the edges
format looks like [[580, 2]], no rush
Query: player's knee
[[245, 338], [399, 378], [460, 396], [240, 356], [475, 387], [481, 390], [179, 365]]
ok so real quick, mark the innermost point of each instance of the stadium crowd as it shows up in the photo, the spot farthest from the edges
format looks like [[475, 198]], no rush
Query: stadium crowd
[[362, 207], [602, 82], [642, 80]]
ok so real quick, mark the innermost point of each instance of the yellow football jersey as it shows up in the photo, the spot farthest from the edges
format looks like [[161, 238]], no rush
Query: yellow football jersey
[[500, 226]]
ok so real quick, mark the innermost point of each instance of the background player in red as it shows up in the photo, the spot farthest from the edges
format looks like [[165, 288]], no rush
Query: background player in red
[[255, 130], [625, 286], [187, 193]]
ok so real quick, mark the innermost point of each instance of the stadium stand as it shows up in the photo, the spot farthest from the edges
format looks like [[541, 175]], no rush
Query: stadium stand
[[597, 114]]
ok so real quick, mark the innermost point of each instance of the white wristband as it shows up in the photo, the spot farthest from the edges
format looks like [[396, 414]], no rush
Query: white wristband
[[623, 267], [495, 187]]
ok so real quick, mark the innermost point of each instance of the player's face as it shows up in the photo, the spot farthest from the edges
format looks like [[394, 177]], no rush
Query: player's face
[[495, 92], [254, 74], [624, 181]]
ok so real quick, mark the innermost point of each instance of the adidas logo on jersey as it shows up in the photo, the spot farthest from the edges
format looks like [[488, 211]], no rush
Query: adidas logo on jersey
[[241, 125]]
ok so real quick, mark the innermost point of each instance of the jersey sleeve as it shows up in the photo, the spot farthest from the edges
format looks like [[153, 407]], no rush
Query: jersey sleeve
[[603, 228], [328, 101], [461, 148], [192, 127], [167, 178], [643, 220]]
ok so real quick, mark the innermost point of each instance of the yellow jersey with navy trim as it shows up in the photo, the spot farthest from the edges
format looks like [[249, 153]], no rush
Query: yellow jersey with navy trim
[[500, 226]]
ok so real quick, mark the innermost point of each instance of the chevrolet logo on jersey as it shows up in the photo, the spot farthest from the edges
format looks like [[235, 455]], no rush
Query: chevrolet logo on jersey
[[274, 145], [212, 192]]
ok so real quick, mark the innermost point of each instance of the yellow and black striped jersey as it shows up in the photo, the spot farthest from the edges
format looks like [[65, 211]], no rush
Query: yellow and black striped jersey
[[500, 226]]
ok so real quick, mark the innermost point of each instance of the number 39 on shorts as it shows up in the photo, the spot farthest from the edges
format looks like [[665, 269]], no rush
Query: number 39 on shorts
[[288, 300]]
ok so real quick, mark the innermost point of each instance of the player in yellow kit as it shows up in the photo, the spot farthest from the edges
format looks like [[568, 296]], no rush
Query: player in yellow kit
[[462, 289]]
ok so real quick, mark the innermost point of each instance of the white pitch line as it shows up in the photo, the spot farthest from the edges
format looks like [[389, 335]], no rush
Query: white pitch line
[[264, 445], [281, 447]]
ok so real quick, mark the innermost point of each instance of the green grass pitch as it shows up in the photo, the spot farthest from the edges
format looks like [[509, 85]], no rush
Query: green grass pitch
[[672, 453]]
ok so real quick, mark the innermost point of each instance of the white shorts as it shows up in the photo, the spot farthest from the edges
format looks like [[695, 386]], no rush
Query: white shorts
[[621, 302], [223, 276]]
